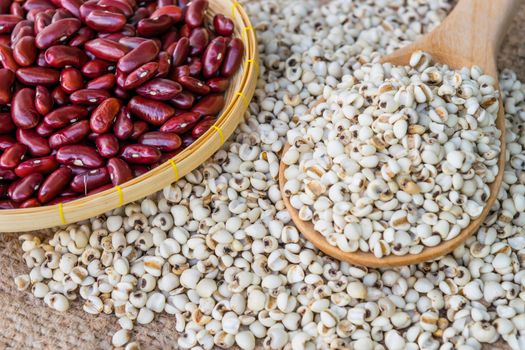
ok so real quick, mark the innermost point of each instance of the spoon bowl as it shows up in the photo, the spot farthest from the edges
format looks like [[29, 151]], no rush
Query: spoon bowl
[[470, 35]]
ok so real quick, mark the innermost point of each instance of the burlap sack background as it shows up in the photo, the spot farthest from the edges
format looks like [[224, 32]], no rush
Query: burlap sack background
[[26, 323]]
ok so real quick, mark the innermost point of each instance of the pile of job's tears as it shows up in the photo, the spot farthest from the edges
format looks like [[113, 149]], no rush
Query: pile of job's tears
[[218, 252]]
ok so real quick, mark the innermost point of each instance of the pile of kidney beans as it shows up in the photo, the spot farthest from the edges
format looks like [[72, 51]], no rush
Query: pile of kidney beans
[[95, 93]]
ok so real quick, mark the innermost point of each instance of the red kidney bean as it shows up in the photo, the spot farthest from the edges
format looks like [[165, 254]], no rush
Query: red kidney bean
[[185, 31], [104, 115], [123, 6], [69, 135], [16, 10], [90, 180], [140, 154], [97, 68], [42, 20], [187, 139], [151, 111], [6, 174], [149, 27], [107, 145], [73, 6], [82, 37], [139, 129], [63, 116], [43, 165], [13, 156], [105, 21], [38, 76], [63, 199], [119, 171], [60, 14], [105, 82], [195, 11], [24, 51], [140, 75], [37, 4], [164, 65], [184, 100], [54, 184], [180, 71], [44, 130], [71, 80], [30, 203], [41, 60], [213, 57], [139, 14], [144, 53], [19, 27], [233, 58], [121, 93], [99, 189], [139, 170], [164, 141], [172, 11], [106, 49], [194, 85], [218, 84], [8, 23], [131, 42], [8, 204], [195, 67], [202, 126], [60, 97], [37, 145], [169, 38], [22, 33], [59, 56], [6, 123], [123, 126], [57, 32], [24, 188], [181, 51], [79, 155], [7, 59], [23, 111], [209, 105], [159, 89], [89, 97], [6, 141], [199, 39], [181, 123], [223, 25]]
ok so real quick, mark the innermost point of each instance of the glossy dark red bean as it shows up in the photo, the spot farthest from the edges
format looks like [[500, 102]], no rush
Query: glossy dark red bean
[[123, 126], [8, 204], [159, 89], [185, 31], [121, 93], [60, 97], [79, 155], [201, 127], [105, 21], [19, 27], [139, 170], [24, 188], [187, 139], [139, 129], [107, 145], [59, 56], [164, 63], [7, 59], [195, 12], [213, 57], [144, 53], [105, 82], [8, 23], [42, 165], [61, 14], [70, 135], [24, 51], [173, 11], [141, 75], [180, 71], [54, 184], [37, 145], [17, 10], [71, 80], [44, 130], [30, 203], [155, 26], [82, 37], [106, 49], [89, 180], [24, 32], [89, 97], [223, 25], [104, 115], [195, 67], [97, 68], [7, 174], [199, 39], [140, 154], [38, 76], [123, 6], [41, 60], [23, 111], [184, 100], [73, 6], [6, 141], [131, 42], [233, 58], [63, 199], [194, 85], [209, 105], [180, 51], [181, 123], [218, 84], [59, 31], [164, 141], [151, 111], [6, 123], [64, 116], [119, 171], [37, 4], [13, 156], [42, 20], [169, 38]]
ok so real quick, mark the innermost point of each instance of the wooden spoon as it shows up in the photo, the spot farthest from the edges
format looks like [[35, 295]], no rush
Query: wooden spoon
[[470, 35]]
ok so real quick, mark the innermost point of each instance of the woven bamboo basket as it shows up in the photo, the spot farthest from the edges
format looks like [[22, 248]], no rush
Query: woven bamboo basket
[[238, 96]]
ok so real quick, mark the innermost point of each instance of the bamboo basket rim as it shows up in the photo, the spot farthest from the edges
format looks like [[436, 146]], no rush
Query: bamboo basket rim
[[238, 96]]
